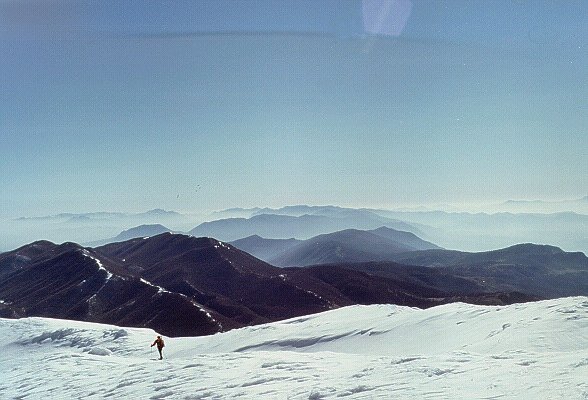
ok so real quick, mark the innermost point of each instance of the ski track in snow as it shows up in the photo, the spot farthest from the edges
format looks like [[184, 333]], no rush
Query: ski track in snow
[[524, 351]]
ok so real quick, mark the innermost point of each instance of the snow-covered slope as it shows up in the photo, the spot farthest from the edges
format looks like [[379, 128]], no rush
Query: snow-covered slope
[[524, 351]]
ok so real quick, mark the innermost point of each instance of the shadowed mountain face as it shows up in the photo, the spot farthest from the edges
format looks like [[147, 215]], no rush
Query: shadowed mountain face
[[403, 285], [239, 287], [68, 281], [176, 284], [539, 270], [536, 270]]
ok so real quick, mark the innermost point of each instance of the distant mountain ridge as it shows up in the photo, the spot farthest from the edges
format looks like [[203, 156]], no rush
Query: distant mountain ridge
[[579, 205], [467, 231], [141, 231], [351, 245], [264, 249], [131, 233], [483, 231], [157, 212], [276, 226]]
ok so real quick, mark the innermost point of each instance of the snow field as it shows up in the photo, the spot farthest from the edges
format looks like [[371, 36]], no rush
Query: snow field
[[524, 351]]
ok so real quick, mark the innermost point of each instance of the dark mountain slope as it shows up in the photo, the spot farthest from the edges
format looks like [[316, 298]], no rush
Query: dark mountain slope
[[219, 276], [68, 281], [250, 291], [432, 281], [361, 288], [539, 270], [522, 254], [182, 285], [14, 260], [405, 288]]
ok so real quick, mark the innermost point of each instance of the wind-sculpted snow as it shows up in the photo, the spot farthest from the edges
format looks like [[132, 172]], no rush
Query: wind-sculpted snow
[[532, 350]]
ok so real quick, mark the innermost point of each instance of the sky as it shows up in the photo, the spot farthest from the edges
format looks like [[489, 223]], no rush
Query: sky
[[204, 105]]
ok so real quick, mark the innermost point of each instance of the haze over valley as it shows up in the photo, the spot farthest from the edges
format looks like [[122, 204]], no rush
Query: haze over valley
[[457, 230]]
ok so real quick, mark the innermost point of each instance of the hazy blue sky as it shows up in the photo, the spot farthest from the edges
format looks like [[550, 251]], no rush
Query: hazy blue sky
[[191, 105]]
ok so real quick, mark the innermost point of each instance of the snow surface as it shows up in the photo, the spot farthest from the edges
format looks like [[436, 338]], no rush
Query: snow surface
[[456, 351]]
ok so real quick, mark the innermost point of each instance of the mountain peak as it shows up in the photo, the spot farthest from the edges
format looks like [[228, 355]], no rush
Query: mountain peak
[[534, 248], [141, 231]]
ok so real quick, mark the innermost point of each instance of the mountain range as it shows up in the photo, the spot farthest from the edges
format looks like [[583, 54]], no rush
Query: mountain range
[[483, 231], [465, 231], [349, 245], [538, 270], [104, 215], [177, 284], [265, 249], [456, 230], [183, 285], [541, 206], [279, 226]]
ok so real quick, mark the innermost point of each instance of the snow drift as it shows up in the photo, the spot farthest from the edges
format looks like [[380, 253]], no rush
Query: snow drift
[[531, 350]]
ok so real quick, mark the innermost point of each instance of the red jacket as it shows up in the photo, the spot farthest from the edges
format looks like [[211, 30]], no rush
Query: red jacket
[[159, 343]]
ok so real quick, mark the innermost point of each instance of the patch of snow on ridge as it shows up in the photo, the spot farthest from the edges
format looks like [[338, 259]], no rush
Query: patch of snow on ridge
[[86, 253], [159, 288], [194, 303], [22, 258], [532, 350]]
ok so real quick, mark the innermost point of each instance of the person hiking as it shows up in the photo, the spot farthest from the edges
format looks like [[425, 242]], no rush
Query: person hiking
[[160, 345]]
